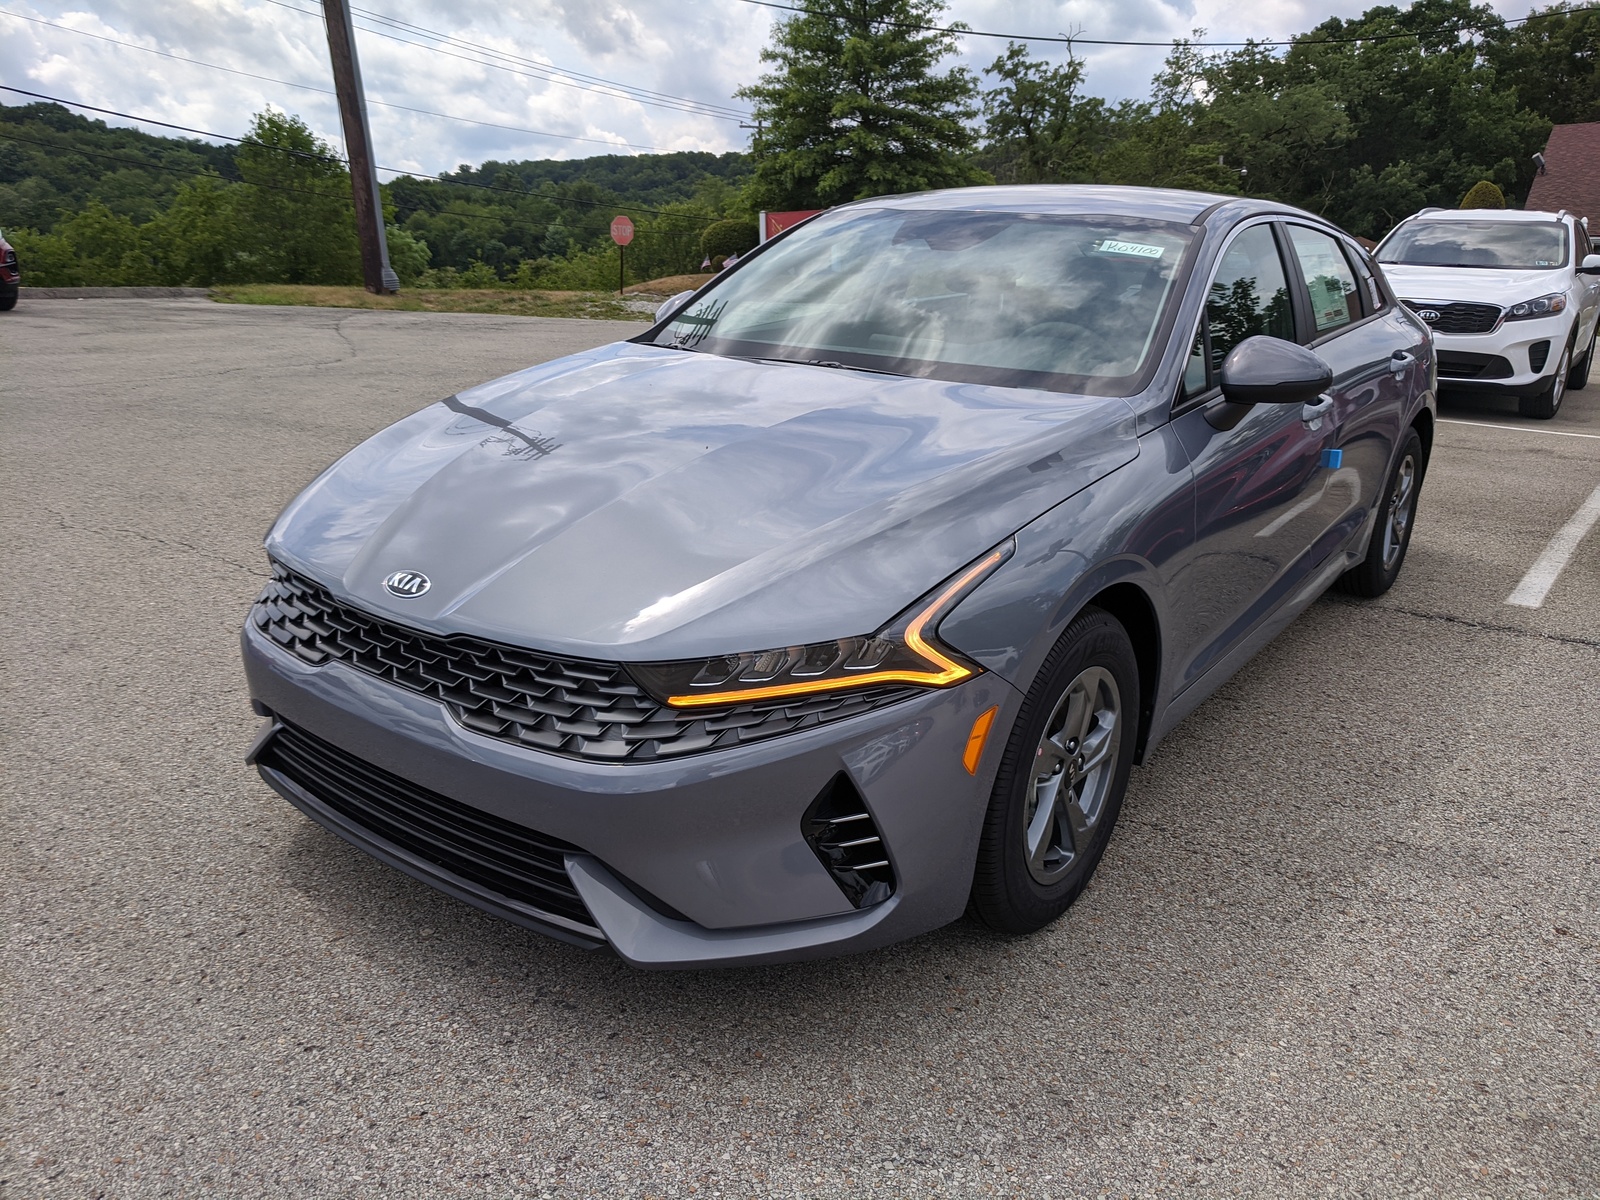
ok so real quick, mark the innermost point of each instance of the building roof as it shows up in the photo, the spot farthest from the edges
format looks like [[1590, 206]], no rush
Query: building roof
[[1571, 178]]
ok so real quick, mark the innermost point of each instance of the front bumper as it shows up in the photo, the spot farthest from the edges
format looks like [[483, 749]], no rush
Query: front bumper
[[715, 840], [1518, 358]]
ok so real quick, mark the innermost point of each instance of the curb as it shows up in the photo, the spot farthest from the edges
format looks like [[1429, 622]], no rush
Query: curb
[[112, 293]]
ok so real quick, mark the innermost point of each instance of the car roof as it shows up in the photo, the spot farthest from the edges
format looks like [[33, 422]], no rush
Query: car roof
[[1161, 204], [1536, 216]]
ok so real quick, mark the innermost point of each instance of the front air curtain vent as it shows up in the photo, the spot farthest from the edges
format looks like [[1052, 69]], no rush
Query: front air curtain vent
[[844, 836]]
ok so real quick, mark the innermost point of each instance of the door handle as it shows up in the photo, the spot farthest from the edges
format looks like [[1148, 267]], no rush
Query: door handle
[[1400, 361], [1312, 414]]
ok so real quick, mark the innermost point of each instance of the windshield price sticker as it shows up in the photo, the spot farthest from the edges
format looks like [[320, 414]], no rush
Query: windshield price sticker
[[1137, 249]]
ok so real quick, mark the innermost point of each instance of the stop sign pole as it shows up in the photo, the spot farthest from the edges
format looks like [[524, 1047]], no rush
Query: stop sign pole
[[621, 234]]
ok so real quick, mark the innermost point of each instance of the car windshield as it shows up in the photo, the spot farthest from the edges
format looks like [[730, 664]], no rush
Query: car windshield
[[1508, 245], [1069, 304]]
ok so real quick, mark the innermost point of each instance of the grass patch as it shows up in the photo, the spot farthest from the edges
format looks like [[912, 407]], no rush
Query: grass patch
[[670, 286], [588, 305]]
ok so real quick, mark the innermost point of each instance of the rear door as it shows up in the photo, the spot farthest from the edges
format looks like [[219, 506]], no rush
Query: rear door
[[1264, 514], [1378, 360]]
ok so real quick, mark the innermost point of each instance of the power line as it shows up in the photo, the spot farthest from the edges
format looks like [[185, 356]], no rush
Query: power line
[[400, 171], [1073, 40], [544, 72], [306, 87], [273, 187], [409, 26], [221, 137]]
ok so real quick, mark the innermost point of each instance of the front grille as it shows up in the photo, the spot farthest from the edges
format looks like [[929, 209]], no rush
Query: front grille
[[505, 860], [1453, 364], [1459, 317], [842, 833], [571, 707]]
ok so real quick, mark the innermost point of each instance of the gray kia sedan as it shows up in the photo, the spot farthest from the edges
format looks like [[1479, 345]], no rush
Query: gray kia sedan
[[846, 597]]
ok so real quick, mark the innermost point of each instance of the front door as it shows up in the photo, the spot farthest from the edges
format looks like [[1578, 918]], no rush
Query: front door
[[1264, 501]]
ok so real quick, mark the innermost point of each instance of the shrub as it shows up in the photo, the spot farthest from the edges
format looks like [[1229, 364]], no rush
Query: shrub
[[408, 254], [1483, 194], [479, 275], [729, 237]]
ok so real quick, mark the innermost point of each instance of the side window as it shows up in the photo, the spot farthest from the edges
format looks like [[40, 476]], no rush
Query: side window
[[1249, 294], [1369, 280], [1585, 246], [1335, 301]]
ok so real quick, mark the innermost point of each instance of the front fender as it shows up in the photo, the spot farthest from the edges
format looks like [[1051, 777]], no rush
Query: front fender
[[1131, 528]]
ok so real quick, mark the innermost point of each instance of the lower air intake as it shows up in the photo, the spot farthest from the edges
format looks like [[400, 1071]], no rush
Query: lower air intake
[[844, 836], [480, 853]]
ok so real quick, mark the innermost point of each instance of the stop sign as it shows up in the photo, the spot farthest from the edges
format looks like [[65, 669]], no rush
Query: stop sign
[[621, 231]]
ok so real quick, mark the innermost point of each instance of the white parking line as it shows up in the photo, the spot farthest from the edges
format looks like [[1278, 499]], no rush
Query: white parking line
[[1517, 428], [1541, 577]]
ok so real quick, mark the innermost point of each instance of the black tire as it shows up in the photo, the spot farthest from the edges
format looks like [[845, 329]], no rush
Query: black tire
[[1391, 536], [8, 299], [1094, 660], [1548, 402], [1578, 377]]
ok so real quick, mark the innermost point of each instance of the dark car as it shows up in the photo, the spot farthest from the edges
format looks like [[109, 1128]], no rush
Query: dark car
[[849, 593], [10, 276]]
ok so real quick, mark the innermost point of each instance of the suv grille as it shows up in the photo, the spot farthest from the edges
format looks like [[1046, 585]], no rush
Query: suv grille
[[503, 859], [570, 707], [1459, 317]]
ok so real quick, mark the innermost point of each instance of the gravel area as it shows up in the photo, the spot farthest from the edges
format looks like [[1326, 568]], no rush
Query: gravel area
[[1346, 941]]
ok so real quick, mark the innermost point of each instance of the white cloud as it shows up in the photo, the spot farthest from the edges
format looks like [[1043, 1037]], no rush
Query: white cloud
[[702, 51]]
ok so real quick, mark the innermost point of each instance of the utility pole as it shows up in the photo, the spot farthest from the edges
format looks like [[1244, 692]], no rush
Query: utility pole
[[376, 273]]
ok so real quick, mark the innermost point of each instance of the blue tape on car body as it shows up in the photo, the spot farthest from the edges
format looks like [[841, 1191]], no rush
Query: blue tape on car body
[[1333, 458]]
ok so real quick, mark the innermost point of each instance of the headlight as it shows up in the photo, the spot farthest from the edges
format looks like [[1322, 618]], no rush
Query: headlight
[[1544, 306], [905, 651]]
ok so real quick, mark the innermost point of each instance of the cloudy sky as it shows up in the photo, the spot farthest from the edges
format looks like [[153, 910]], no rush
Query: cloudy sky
[[569, 78]]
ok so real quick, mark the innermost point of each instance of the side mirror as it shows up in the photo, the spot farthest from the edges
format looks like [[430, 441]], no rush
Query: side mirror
[[1269, 370], [1590, 265], [674, 303]]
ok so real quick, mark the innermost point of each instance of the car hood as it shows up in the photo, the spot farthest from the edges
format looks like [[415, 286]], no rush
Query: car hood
[[1475, 285], [636, 503]]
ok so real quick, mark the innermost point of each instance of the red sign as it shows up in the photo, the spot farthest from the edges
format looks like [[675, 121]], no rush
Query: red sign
[[621, 231], [774, 223]]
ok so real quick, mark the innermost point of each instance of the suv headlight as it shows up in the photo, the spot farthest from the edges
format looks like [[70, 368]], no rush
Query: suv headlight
[[1544, 306], [905, 651]]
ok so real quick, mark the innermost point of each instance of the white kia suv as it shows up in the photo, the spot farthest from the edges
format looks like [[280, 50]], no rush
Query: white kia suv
[[1511, 298]]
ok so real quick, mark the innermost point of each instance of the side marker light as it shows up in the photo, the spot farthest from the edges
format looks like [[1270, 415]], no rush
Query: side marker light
[[976, 739]]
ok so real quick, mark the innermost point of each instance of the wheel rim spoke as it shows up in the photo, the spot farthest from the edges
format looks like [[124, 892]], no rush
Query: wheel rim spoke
[[1073, 765], [1076, 827]]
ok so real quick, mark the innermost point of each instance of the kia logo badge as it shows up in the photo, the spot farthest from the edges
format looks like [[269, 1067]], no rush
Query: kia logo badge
[[1430, 315], [407, 584]]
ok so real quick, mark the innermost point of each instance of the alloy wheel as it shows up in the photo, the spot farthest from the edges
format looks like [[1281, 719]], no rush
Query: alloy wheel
[[1402, 506], [1073, 769]]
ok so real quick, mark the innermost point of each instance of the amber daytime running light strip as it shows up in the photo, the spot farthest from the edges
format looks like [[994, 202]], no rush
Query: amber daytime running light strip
[[950, 671]]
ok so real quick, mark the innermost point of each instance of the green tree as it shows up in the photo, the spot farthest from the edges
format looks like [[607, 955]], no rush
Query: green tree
[[856, 106], [1038, 127], [297, 221], [196, 241]]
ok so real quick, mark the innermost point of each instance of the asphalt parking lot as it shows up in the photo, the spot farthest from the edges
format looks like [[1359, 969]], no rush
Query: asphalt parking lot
[[1346, 941]]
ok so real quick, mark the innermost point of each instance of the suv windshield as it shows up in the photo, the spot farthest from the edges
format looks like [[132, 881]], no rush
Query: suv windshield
[[1503, 244], [1015, 299]]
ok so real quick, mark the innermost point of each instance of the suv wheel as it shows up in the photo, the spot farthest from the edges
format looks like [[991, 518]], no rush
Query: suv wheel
[[1548, 402], [1578, 377]]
